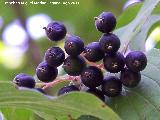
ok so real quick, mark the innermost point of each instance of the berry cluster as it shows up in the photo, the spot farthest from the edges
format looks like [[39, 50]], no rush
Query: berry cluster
[[80, 63]]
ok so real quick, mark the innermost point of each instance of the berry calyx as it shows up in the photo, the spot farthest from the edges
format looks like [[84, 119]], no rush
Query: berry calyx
[[54, 56], [114, 63], [136, 61], [109, 43], [55, 31], [93, 52], [67, 89], [129, 78], [73, 45], [46, 73], [24, 80], [105, 22], [74, 65], [111, 86], [92, 77]]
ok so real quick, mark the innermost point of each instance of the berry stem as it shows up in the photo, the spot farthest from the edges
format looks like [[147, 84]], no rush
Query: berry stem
[[59, 80], [100, 66], [88, 62]]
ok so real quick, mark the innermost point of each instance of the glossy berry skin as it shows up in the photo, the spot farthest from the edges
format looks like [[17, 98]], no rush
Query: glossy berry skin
[[74, 65], [129, 78], [24, 80], [136, 61], [109, 43], [105, 22], [54, 56], [97, 93], [55, 31], [74, 45], [93, 52], [114, 63], [67, 89], [111, 86], [92, 77], [46, 73]]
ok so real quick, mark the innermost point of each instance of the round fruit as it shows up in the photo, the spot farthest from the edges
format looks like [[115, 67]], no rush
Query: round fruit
[[67, 89], [74, 65], [105, 22], [111, 86], [136, 61], [93, 52], [54, 56], [129, 78], [97, 93], [46, 73], [114, 63], [92, 77], [73, 45], [24, 80], [55, 31], [109, 43]]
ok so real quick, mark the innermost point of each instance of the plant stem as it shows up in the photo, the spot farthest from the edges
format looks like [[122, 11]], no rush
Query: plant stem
[[59, 80]]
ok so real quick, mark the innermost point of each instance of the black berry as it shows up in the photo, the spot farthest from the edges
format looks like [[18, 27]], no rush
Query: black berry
[[114, 63], [97, 93], [92, 77], [74, 65], [129, 78], [54, 56], [111, 86], [73, 45], [46, 73], [93, 52], [136, 61], [55, 31], [24, 80], [67, 89], [105, 22], [109, 43]]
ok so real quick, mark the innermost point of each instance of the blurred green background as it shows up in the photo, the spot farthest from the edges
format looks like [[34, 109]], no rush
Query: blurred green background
[[23, 41]]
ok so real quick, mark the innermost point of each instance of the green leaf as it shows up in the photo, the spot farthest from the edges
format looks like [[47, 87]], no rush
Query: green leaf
[[73, 104], [142, 102], [157, 9], [128, 15], [127, 33], [17, 114], [141, 37]]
